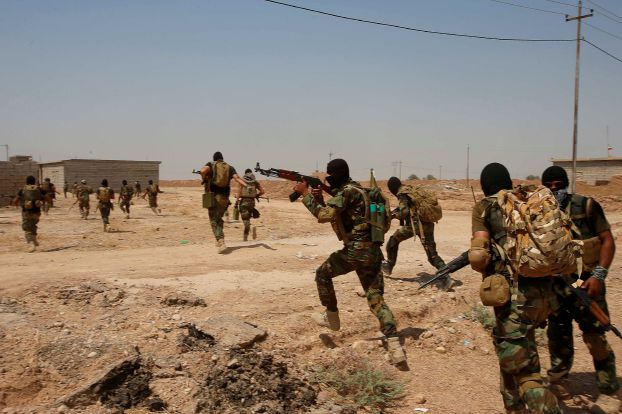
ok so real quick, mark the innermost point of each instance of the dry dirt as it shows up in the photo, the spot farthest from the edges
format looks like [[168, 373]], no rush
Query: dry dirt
[[128, 321]]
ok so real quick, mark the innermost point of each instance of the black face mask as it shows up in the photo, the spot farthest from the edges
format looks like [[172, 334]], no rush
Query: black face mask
[[495, 177], [394, 185], [338, 173]]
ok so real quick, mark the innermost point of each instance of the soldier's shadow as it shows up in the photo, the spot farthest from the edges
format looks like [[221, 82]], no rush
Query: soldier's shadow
[[58, 249], [583, 384], [122, 231], [248, 246], [423, 277]]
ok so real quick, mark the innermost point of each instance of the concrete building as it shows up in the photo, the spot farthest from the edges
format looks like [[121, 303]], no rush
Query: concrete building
[[593, 171], [93, 171], [13, 175]]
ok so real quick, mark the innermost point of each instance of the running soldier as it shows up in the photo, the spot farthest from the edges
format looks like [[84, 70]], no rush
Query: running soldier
[[526, 309], [245, 202], [138, 190], [591, 226], [30, 199], [105, 195], [65, 188], [74, 189], [50, 195], [346, 211], [217, 176], [83, 193], [125, 198], [152, 191]]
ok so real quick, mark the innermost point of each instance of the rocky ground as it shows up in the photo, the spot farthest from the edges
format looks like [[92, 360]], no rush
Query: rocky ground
[[149, 318]]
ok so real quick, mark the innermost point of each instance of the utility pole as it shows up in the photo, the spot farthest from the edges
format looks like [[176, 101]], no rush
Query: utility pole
[[578, 18], [440, 172], [397, 169], [468, 157], [6, 146]]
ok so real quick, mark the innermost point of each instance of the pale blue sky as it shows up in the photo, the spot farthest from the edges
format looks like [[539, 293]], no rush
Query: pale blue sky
[[177, 80]]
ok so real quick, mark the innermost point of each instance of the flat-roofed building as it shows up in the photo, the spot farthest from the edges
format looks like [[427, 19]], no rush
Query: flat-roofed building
[[593, 171]]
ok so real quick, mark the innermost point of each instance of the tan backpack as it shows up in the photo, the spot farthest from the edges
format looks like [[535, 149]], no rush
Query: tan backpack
[[103, 194], [426, 202], [221, 174], [539, 241]]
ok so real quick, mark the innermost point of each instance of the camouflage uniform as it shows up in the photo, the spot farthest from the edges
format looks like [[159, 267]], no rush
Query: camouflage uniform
[[137, 188], [560, 333], [125, 198], [48, 200], [105, 195], [83, 193], [221, 195], [152, 192], [406, 211], [346, 212], [65, 188], [246, 204], [531, 303], [30, 216]]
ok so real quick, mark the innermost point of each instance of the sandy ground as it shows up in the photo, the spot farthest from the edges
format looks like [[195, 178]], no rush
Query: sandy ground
[[269, 282]]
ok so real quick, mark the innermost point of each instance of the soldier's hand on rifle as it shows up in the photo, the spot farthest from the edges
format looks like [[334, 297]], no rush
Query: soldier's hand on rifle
[[302, 188], [318, 195], [593, 286]]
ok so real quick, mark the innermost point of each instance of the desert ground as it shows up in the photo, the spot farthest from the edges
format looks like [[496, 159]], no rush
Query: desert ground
[[150, 318]]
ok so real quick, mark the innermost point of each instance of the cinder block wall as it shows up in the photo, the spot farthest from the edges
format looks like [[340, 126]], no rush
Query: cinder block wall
[[93, 171], [593, 171], [13, 177]]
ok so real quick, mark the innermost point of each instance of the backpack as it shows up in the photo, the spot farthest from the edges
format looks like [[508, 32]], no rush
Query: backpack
[[31, 197], [103, 194], [539, 240], [220, 174], [377, 212], [426, 203], [127, 192], [250, 191]]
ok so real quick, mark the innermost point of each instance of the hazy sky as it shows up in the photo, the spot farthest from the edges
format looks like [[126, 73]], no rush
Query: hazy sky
[[177, 80]]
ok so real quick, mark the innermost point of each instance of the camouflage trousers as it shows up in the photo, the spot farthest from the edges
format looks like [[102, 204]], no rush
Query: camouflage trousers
[[153, 201], [85, 206], [366, 259], [246, 212], [125, 206], [405, 233], [29, 224], [561, 345], [515, 344], [215, 215], [104, 210]]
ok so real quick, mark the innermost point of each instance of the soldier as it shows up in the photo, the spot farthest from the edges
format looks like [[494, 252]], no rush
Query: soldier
[[522, 387], [105, 195], [346, 212], [137, 188], [591, 226], [65, 188], [50, 194], [30, 198], [125, 198], [245, 202], [74, 189], [83, 193], [152, 191], [217, 176], [414, 223]]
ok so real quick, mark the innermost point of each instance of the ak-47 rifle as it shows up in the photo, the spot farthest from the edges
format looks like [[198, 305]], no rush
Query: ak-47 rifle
[[453, 266], [314, 182], [395, 212], [262, 198], [74, 203], [199, 172], [593, 307]]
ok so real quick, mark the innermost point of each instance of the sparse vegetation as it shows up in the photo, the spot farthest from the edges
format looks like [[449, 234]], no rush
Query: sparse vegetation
[[359, 385], [430, 177], [481, 314], [532, 177], [413, 177]]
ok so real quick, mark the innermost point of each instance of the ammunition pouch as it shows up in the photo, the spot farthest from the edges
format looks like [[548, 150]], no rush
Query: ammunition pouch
[[209, 200], [479, 254], [494, 290], [591, 253]]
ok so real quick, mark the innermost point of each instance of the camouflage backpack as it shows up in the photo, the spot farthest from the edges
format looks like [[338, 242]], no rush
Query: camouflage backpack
[[377, 212], [539, 240], [103, 194], [426, 202], [31, 197], [221, 174]]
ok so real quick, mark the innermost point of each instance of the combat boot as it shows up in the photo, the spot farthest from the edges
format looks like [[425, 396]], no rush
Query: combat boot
[[386, 268], [396, 352], [35, 241], [327, 319], [31, 247], [245, 236], [606, 404], [222, 247], [127, 216], [560, 389], [254, 233]]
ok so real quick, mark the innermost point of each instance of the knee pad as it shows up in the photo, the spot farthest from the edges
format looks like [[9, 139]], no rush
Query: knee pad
[[479, 254], [598, 346]]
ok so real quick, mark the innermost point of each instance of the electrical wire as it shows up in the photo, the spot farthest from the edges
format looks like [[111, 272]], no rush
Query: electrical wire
[[602, 50], [601, 7], [413, 29], [562, 3], [527, 7], [599, 13], [602, 30]]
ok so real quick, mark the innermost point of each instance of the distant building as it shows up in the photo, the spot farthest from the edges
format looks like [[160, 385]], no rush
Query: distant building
[[594, 171], [93, 171], [13, 175]]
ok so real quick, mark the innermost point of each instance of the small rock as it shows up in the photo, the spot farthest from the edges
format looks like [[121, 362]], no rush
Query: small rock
[[176, 317], [58, 325], [62, 409], [233, 363], [92, 354], [427, 334], [451, 330], [419, 399], [440, 350], [214, 358]]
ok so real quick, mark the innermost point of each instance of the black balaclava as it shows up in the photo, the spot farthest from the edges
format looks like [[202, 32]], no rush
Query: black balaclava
[[394, 184], [104, 183], [338, 173], [248, 171], [495, 177], [124, 182], [150, 181], [556, 173], [31, 180], [217, 156], [47, 180]]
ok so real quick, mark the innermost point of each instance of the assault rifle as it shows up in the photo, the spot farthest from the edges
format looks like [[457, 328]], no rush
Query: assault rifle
[[314, 182], [593, 307], [394, 214], [198, 172], [453, 266]]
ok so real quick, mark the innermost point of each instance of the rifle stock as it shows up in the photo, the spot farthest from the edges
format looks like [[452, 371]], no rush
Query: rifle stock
[[453, 266]]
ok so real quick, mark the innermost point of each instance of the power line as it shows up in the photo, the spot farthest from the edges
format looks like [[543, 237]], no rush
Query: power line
[[562, 3], [602, 50], [601, 7], [527, 7], [413, 29], [602, 30], [608, 17]]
